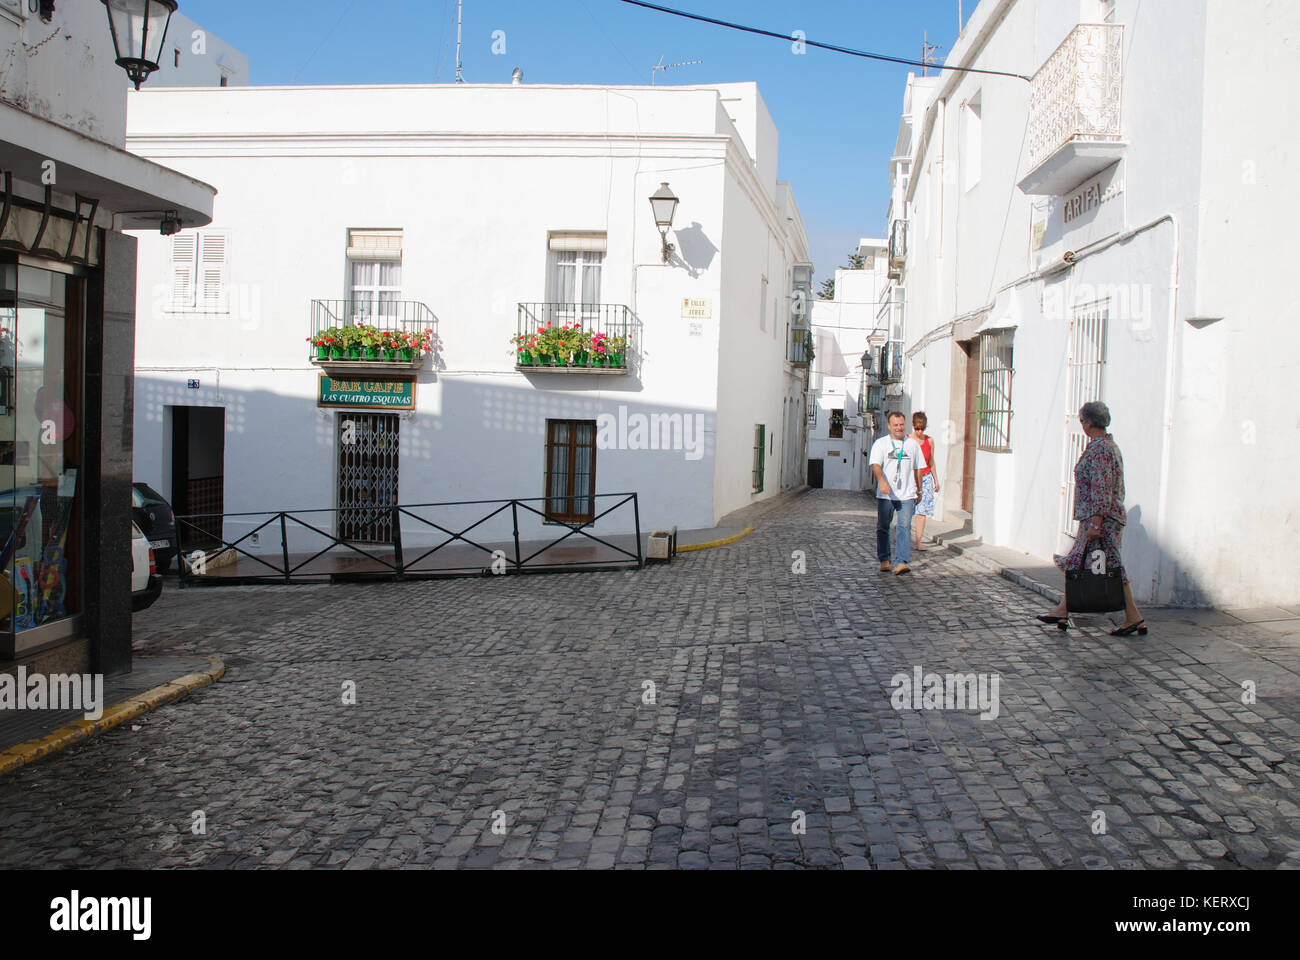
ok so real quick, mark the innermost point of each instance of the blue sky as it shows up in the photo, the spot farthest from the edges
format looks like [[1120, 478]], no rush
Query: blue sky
[[837, 115]]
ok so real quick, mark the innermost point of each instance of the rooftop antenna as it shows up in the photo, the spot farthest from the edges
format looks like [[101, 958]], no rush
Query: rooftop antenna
[[459, 78], [664, 66], [927, 49]]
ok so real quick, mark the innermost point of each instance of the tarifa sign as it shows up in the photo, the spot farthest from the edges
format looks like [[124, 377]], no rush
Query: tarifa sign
[[366, 393]]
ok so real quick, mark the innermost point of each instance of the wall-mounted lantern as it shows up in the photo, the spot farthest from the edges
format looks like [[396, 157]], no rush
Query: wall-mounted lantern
[[139, 30], [664, 203]]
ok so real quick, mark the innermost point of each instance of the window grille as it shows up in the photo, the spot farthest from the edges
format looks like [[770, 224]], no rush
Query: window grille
[[994, 400]]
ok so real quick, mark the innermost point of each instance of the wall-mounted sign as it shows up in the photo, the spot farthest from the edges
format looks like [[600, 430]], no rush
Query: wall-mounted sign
[[832, 453], [192, 384], [384, 393], [696, 329], [1090, 212], [697, 308]]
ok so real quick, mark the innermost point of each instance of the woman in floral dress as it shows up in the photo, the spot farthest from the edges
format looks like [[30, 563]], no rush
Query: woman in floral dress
[[1099, 508]]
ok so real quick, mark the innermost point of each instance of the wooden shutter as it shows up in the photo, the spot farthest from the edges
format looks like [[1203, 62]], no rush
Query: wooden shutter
[[213, 292], [182, 269]]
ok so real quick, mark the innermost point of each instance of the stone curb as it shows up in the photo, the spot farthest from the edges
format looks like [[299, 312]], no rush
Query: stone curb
[[718, 543], [32, 750], [973, 552]]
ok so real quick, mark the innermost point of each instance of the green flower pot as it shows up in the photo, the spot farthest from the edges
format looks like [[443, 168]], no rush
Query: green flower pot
[[581, 359], [390, 354], [616, 360], [322, 352], [525, 358], [370, 353], [599, 360], [336, 353], [407, 354]]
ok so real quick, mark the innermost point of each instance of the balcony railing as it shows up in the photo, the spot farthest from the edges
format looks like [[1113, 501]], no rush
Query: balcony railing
[[394, 316], [1074, 109], [604, 341], [897, 248], [801, 346]]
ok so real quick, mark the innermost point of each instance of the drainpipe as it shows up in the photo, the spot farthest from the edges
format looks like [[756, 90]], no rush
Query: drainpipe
[[1167, 427]]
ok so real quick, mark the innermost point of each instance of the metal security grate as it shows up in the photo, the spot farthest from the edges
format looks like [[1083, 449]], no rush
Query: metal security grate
[[368, 466], [994, 398], [1086, 364]]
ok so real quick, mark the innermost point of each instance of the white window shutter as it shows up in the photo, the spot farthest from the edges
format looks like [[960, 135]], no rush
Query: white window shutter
[[213, 292], [182, 270]]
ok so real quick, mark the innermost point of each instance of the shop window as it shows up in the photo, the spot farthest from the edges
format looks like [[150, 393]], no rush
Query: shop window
[[41, 427]]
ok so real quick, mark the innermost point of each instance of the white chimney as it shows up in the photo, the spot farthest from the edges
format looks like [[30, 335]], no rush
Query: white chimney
[[517, 78]]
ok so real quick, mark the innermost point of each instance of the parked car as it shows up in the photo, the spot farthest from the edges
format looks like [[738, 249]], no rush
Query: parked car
[[146, 582], [154, 516]]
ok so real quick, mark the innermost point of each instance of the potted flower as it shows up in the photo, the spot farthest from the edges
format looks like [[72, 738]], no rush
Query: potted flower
[[581, 348], [616, 349], [372, 339], [599, 350]]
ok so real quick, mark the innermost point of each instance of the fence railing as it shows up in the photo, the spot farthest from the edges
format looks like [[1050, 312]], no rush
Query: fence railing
[[599, 335], [1076, 94], [340, 558]]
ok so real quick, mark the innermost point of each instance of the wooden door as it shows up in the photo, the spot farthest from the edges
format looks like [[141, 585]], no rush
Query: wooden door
[[971, 349]]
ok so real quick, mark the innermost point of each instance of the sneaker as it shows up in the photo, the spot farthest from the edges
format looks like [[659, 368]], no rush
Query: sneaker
[[902, 568], [884, 566]]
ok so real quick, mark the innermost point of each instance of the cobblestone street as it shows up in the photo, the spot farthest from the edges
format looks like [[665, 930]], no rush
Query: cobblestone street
[[771, 695]]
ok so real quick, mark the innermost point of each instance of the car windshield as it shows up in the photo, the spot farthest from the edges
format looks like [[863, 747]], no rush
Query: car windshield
[[137, 500], [147, 494]]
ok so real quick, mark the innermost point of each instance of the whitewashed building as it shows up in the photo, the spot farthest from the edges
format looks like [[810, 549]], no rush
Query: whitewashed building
[[479, 212], [1114, 228], [844, 396]]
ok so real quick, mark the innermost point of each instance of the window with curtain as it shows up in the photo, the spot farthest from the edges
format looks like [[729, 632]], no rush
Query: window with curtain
[[376, 287], [574, 265], [570, 470]]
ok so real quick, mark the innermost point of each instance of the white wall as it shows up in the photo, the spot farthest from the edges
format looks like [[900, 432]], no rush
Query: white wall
[[63, 70]]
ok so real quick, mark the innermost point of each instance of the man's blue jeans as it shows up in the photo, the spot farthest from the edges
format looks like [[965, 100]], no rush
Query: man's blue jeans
[[885, 510]]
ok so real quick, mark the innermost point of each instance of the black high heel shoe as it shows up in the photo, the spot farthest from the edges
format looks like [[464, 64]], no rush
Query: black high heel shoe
[[1062, 623], [1139, 628]]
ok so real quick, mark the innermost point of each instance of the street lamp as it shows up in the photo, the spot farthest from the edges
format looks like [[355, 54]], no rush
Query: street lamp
[[664, 204], [139, 30]]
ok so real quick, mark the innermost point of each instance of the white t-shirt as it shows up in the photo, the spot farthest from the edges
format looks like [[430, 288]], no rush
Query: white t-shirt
[[898, 461]]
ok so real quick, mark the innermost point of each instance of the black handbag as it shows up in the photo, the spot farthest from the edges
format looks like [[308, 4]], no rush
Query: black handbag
[[1088, 592]]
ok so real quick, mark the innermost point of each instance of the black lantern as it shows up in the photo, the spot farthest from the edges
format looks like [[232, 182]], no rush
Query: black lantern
[[139, 31], [664, 204]]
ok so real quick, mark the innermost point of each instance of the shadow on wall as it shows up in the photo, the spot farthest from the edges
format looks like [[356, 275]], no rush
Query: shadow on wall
[[468, 441], [695, 251]]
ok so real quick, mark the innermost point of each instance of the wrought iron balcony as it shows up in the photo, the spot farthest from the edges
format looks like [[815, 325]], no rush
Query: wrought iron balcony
[[595, 338], [1074, 110], [405, 320], [801, 352], [897, 248]]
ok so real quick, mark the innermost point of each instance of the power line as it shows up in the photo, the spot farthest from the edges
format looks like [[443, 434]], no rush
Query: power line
[[813, 43]]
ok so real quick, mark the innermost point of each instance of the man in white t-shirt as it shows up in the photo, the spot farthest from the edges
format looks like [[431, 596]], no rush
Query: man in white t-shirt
[[896, 463]]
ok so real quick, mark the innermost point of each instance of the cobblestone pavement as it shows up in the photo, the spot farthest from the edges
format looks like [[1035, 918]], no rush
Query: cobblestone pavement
[[772, 695]]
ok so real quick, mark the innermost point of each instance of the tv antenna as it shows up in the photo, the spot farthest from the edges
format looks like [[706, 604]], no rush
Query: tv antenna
[[664, 66], [459, 78], [927, 49]]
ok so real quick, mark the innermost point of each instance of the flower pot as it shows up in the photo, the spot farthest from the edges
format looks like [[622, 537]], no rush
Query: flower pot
[[322, 351], [616, 360], [336, 353], [390, 354], [354, 352], [525, 358], [581, 359], [370, 353], [407, 353], [599, 360]]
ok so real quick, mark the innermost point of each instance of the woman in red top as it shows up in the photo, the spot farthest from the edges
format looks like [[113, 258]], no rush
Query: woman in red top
[[929, 478]]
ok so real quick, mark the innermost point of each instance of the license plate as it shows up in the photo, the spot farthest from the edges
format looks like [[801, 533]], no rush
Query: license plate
[[160, 544]]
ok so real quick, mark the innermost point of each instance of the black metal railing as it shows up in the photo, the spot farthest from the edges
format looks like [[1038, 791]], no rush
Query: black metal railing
[[387, 316], [355, 560], [597, 335]]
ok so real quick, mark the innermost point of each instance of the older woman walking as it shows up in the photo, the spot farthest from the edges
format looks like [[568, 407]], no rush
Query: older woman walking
[[1099, 508]]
